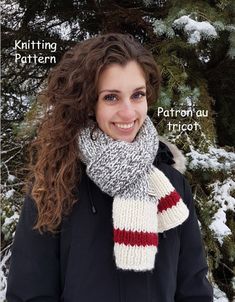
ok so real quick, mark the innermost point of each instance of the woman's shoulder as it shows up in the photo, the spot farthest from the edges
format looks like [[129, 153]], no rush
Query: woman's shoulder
[[171, 161], [170, 155]]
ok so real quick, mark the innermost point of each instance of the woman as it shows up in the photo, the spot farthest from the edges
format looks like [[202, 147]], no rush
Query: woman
[[108, 218]]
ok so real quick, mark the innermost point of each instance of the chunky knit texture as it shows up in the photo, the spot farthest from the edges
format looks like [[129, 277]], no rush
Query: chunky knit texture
[[144, 203]]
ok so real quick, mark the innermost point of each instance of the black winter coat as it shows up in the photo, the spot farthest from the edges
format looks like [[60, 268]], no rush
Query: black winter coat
[[77, 265]]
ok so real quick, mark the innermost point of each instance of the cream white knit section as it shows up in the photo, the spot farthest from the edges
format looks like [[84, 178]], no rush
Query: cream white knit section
[[137, 258], [158, 184], [135, 215], [172, 217]]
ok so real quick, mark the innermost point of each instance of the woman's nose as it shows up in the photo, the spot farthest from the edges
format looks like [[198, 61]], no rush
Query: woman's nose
[[126, 110]]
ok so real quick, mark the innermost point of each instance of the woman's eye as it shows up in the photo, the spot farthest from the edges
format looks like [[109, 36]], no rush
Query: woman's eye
[[110, 97], [139, 95]]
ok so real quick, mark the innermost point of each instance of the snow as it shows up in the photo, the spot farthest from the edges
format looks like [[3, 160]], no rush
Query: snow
[[219, 226], [195, 30], [204, 58], [9, 193], [64, 30], [56, 26], [159, 3], [10, 99], [221, 195], [219, 296], [230, 28], [12, 14], [11, 178], [162, 28], [10, 220], [215, 158], [189, 101], [3, 278]]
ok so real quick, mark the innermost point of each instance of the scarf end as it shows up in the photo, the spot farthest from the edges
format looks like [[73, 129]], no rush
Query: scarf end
[[135, 258], [172, 217], [172, 211]]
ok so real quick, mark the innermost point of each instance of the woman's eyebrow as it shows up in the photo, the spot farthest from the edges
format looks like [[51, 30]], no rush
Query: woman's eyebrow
[[110, 90], [118, 91], [139, 88]]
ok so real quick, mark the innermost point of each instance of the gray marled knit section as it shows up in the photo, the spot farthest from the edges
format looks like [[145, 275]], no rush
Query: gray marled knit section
[[118, 167]]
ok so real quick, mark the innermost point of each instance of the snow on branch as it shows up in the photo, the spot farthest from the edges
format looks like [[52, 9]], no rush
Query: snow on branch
[[3, 275], [221, 193], [215, 159], [195, 30], [219, 296], [161, 28]]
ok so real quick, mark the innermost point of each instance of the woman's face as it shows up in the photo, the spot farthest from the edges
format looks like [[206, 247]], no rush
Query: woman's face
[[122, 106]]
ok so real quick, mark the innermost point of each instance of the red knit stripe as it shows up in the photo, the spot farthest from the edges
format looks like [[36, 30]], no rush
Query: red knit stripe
[[168, 201], [135, 238]]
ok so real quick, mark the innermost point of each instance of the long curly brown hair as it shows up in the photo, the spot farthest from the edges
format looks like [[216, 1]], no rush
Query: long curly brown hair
[[69, 102]]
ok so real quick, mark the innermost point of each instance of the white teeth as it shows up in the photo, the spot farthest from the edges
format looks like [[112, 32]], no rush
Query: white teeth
[[125, 126]]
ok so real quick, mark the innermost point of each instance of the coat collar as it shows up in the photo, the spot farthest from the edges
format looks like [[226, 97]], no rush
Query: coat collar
[[171, 155]]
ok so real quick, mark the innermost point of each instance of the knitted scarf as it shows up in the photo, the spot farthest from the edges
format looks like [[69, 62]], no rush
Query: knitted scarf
[[145, 202]]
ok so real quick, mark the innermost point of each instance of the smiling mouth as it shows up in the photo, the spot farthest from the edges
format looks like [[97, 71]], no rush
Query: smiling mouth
[[124, 126]]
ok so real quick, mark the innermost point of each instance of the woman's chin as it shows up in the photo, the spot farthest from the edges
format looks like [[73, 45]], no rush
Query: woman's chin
[[125, 138]]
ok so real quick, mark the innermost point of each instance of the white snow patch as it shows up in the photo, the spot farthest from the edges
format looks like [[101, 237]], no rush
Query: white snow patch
[[11, 178], [215, 159], [219, 296], [195, 37], [195, 30], [10, 220], [204, 58], [189, 101], [9, 193], [64, 30], [221, 195], [3, 276], [162, 28]]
